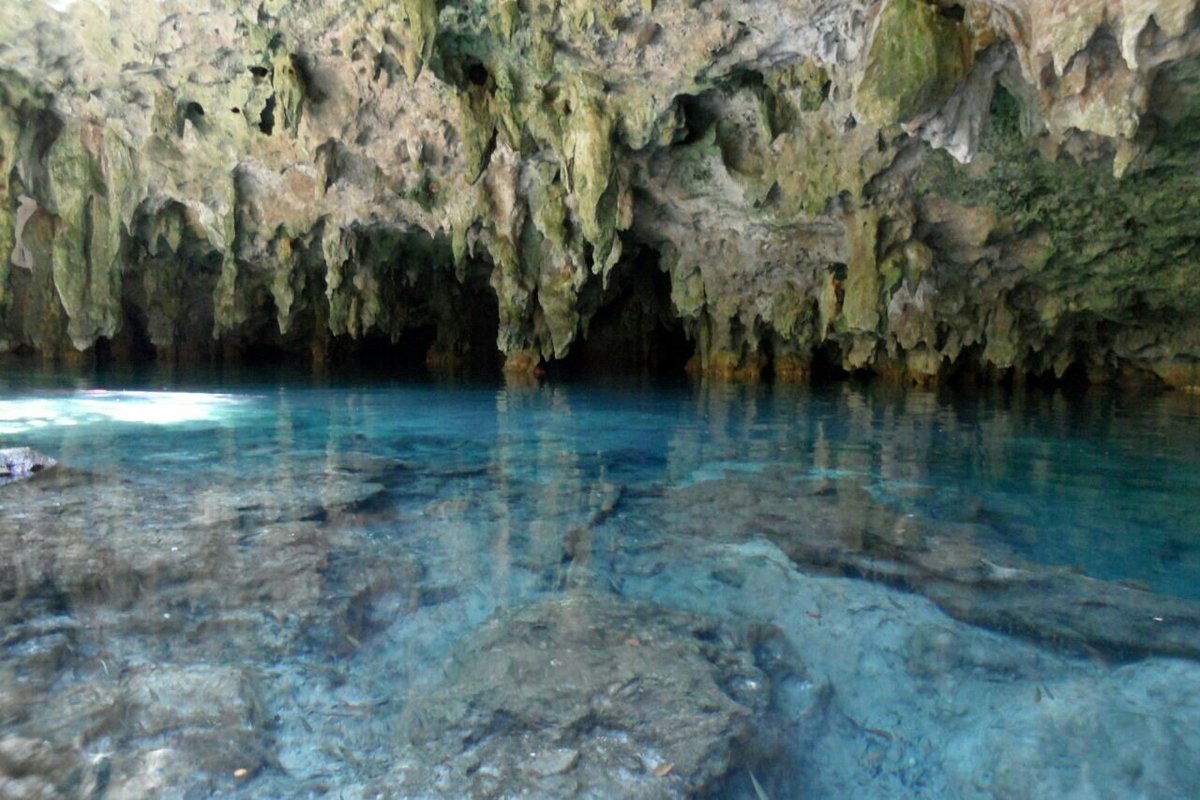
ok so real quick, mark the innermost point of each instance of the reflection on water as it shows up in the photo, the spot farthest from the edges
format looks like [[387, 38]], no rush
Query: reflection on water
[[422, 590]]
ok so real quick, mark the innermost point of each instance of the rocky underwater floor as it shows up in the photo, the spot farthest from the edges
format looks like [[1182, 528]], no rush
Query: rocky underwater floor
[[295, 589]]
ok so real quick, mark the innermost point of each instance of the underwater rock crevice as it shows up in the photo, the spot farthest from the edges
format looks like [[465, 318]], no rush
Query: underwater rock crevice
[[965, 568]]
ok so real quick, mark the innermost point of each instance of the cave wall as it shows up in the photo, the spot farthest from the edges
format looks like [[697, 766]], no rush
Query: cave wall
[[903, 187]]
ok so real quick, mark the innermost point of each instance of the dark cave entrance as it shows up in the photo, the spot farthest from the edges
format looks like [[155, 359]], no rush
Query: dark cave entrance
[[427, 315], [168, 281], [634, 329], [377, 353], [450, 330], [431, 315], [824, 362]]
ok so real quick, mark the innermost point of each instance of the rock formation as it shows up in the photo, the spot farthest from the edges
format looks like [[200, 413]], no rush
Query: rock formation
[[585, 696], [18, 463], [903, 187]]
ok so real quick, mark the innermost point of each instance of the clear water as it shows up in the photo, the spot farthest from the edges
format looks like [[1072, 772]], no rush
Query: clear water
[[245, 588]]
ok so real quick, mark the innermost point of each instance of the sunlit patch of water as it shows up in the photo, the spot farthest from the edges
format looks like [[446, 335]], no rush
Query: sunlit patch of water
[[19, 416]]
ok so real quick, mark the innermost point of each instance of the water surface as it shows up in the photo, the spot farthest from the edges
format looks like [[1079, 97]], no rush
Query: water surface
[[254, 588]]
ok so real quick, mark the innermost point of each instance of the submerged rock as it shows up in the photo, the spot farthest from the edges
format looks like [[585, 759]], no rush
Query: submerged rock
[[18, 463], [586, 695], [150, 732], [922, 705], [34, 768], [840, 528], [1133, 734], [142, 621]]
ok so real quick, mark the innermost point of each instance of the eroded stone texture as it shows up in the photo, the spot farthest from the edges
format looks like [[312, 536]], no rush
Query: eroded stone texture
[[139, 620], [18, 463], [901, 186], [586, 695], [164, 725], [836, 526]]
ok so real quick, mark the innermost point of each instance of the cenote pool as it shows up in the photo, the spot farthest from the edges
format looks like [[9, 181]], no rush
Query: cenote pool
[[352, 589]]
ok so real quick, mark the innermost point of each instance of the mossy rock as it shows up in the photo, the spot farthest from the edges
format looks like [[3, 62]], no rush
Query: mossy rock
[[916, 58]]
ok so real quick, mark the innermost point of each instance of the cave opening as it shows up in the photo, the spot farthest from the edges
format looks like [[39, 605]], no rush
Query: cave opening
[[132, 343], [261, 353], [102, 352], [634, 330], [822, 364], [478, 318], [460, 59], [46, 126], [450, 330], [477, 74], [971, 371], [433, 316], [193, 113], [377, 353], [826, 365], [167, 287], [1074, 380]]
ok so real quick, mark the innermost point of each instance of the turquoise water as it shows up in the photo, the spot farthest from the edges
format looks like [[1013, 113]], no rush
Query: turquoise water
[[253, 588]]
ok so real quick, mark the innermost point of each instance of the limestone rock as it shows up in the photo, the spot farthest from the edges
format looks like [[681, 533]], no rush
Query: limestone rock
[[171, 724], [585, 695], [33, 768], [208, 181], [960, 566], [17, 463]]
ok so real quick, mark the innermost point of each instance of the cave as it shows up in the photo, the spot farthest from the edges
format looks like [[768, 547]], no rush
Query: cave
[[665, 399], [380, 355], [634, 331]]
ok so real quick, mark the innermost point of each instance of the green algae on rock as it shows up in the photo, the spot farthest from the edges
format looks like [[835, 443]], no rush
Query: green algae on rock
[[916, 57], [203, 181]]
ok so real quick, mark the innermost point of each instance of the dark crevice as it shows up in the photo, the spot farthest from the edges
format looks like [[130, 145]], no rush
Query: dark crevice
[[826, 365], [387, 64], [954, 12], [634, 328], [47, 127], [698, 113], [379, 353], [193, 112], [313, 83], [266, 120], [477, 74], [135, 333], [490, 148], [262, 354], [102, 350], [459, 60]]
